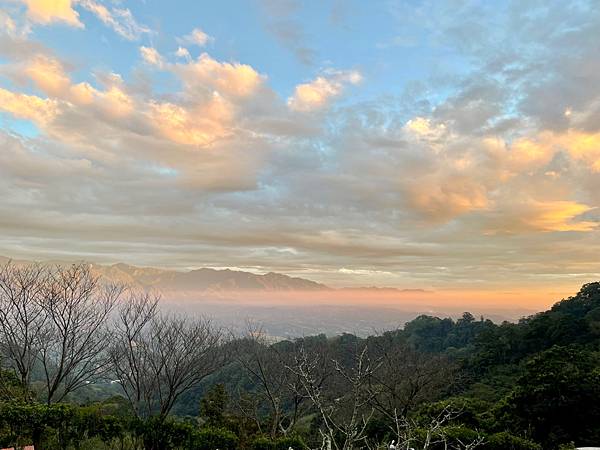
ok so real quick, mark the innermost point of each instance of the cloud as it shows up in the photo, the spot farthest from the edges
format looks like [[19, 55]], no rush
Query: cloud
[[287, 29], [199, 126], [232, 79], [528, 216], [558, 216], [119, 19], [51, 11], [318, 93], [183, 52], [291, 35], [151, 56], [196, 37], [39, 110], [462, 181]]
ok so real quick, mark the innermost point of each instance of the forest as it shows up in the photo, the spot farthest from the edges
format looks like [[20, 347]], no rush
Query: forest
[[87, 364]]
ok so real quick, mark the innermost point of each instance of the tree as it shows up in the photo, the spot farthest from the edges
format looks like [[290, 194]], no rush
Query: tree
[[214, 404], [345, 418], [277, 387], [405, 378], [157, 358], [558, 398], [75, 333], [22, 317]]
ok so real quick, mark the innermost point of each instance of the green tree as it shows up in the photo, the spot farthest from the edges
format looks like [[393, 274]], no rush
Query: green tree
[[214, 405], [558, 398]]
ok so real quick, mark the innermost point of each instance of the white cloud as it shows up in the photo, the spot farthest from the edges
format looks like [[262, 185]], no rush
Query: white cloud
[[183, 52], [119, 19], [196, 37], [151, 56]]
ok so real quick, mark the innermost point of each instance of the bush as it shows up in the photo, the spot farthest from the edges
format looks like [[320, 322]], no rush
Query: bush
[[261, 443], [507, 441], [264, 443], [212, 438]]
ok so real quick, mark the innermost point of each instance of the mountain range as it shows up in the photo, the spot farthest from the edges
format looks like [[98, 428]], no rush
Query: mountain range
[[204, 279]]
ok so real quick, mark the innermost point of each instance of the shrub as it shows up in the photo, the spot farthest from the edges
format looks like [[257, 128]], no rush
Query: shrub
[[507, 441], [212, 438]]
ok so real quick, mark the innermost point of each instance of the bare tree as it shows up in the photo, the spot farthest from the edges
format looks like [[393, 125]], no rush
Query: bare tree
[[433, 434], [404, 379], [130, 363], [74, 336], [344, 417], [158, 358], [277, 387], [22, 318]]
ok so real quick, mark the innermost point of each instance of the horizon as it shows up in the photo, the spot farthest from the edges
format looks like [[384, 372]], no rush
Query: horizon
[[450, 147], [415, 300]]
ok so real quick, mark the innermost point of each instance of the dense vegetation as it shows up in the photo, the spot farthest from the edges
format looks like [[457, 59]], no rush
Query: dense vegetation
[[183, 384]]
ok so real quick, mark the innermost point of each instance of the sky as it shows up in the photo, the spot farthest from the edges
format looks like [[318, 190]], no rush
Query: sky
[[446, 145]]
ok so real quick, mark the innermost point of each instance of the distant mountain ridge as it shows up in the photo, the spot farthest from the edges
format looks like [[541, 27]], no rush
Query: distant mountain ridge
[[211, 280], [204, 279]]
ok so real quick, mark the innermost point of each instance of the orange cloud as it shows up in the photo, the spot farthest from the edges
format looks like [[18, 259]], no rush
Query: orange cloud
[[30, 107], [231, 79], [557, 216], [200, 126], [49, 75], [540, 150], [317, 94], [444, 199], [49, 11]]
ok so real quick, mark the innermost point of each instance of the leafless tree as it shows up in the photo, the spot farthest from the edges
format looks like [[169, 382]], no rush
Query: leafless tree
[[277, 387], [159, 357], [75, 333], [130, 363], [433, 433], [346, 415], [404, 379], [22, 317]]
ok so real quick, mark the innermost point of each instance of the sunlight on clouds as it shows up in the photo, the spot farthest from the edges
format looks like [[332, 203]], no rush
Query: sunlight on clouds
[[233, 79], [557, 216], [423, 127], [317, 94], [199, 127], [527, 153], [30, 107], [49, 75], [442, 199], [579, 144], [217, 158], [582, 146], [49, 11], [116, 101], [51, 78]]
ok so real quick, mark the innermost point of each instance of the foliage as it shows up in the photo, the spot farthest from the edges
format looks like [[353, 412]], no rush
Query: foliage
[[214, 404], [438, 383], [506, 441]]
